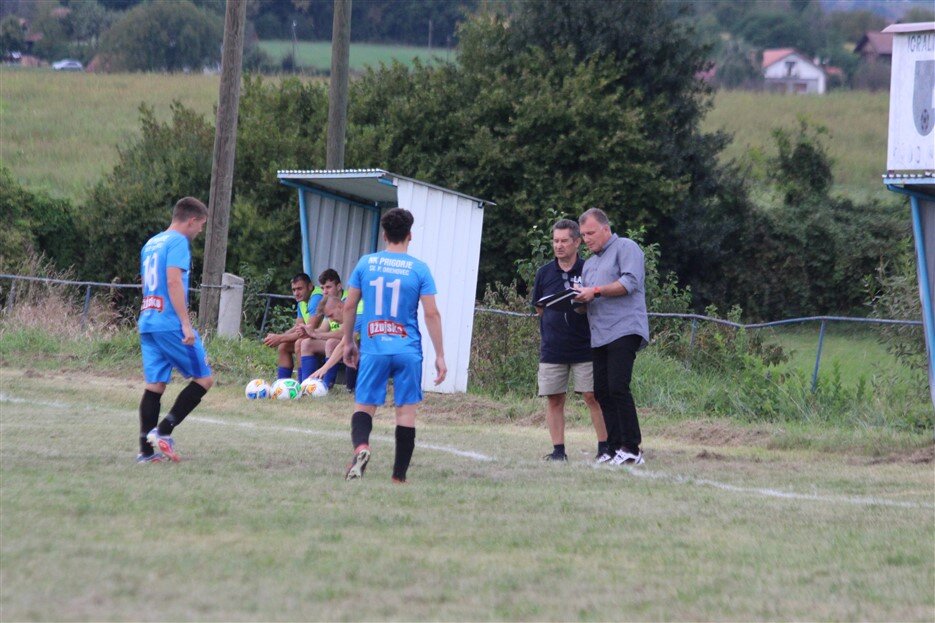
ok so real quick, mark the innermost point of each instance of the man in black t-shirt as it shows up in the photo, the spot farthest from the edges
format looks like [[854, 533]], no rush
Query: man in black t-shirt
[[566, 340]]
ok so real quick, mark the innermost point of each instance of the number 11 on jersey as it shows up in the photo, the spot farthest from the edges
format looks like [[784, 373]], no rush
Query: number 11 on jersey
[[395, 286]]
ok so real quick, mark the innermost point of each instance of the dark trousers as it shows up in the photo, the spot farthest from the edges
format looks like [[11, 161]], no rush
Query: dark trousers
[[613, 367]]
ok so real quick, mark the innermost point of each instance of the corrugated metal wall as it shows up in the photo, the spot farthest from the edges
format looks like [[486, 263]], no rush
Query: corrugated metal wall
[[446, 235], [339, 233]]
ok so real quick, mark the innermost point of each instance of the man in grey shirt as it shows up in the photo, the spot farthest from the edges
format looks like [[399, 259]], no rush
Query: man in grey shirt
[[613, 289]]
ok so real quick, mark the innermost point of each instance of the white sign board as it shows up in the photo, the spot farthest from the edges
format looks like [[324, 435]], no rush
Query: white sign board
[[911, 145]]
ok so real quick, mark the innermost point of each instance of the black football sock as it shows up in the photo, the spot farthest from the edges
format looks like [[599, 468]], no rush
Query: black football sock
[[405, 444], [187, 400], [149, 417], [602, 447], [361, 425], [558, 449]]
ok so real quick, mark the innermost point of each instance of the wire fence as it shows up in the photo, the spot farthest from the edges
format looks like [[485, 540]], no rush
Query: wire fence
[[270, 297]]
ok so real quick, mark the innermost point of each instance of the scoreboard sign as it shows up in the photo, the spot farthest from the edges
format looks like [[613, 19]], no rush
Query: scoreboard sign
[[911, 145]]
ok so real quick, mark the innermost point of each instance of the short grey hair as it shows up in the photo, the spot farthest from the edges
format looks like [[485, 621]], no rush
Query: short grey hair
[[567, 223], [597, 214]]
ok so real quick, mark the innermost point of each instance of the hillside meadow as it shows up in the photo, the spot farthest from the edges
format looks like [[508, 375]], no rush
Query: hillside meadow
[[60, 131], [857, 124], [317, 54]]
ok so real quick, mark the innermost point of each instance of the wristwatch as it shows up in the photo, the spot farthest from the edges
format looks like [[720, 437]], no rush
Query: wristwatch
[[597, 291]]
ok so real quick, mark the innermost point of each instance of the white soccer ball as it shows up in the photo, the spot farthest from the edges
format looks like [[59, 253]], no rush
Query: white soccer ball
[[257, 388], [314, 387], [285, 389]]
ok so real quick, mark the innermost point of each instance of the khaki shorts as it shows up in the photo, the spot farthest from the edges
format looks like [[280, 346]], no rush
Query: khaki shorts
[[553, 377]]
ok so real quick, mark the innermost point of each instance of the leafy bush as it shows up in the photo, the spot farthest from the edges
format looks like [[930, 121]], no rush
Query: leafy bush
[[894, 291], [170, 160], [35, 224]]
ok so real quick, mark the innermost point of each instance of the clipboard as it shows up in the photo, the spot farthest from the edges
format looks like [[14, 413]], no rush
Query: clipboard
[[560, 301]]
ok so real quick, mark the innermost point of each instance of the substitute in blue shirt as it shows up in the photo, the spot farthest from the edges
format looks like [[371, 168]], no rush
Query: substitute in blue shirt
[[565, 349], [167, 339], [391, 283]]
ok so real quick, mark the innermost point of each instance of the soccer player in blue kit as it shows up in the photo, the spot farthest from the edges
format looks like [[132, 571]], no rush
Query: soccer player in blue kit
[[391, 283], [167, 338]]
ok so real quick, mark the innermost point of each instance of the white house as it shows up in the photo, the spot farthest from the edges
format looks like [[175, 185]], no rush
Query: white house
[[786, 70], [339, 215]]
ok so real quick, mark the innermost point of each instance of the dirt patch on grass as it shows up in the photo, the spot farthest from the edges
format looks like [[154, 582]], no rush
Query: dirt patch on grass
[[923, 456], [710, 456], [467, 408], [717, 434]]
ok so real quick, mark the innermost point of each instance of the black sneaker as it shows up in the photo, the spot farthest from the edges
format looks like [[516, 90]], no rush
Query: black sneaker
[[555, 456]]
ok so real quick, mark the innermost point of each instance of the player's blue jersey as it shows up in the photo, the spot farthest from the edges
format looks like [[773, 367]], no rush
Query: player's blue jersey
[[390, 286], [168, 249]]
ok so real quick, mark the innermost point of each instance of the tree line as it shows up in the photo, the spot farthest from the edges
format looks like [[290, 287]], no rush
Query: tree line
[[567, 105]]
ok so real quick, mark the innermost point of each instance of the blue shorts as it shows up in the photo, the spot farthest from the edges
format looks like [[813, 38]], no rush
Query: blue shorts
[[376, 371], [163, 350]]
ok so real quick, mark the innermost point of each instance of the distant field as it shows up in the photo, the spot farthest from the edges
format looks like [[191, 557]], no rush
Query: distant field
[[59, 131], [857, 122], [849, 351], [317, 54]]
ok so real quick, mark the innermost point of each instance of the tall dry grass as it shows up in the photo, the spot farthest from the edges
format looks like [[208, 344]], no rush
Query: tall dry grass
[[57, 309]]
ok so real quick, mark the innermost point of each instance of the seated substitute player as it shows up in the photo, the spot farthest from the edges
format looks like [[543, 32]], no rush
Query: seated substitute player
[[307, 301], [313, 346], [167, 339], [391, 283], [330, 332], [334, 346]]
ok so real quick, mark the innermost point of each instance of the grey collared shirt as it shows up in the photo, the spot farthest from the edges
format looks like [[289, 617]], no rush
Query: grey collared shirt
[[613, 317]]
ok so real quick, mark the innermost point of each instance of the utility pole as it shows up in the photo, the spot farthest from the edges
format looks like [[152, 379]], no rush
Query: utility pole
[[337, 91], [222, 168]]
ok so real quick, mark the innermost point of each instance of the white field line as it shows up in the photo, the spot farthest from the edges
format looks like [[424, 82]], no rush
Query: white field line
[[641, 472], [342, 435], [477, 456]]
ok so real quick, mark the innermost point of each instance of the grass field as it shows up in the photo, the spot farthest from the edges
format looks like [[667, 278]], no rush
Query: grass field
[[59, 131], [854, 352], [317, 54], [257, 523], [857, 123]]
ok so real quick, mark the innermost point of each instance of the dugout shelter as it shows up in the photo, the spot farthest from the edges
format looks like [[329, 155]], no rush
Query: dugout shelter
[[910, 157], [339, 216]]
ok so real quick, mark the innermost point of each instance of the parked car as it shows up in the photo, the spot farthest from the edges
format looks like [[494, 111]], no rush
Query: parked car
[[68, 64]]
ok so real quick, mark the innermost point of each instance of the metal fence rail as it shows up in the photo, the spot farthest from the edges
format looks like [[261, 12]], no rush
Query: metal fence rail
[[695, 318]]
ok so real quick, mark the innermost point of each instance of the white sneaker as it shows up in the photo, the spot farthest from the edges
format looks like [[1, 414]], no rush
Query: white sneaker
[[603, 459], [623, 457]]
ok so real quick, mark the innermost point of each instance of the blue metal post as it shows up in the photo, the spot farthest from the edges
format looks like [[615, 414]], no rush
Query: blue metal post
[[87, 307], [306, 236], [821, 341], [375, 232], [928, 316]]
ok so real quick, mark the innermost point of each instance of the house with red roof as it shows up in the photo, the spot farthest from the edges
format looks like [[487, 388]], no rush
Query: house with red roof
[[786, 70]]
